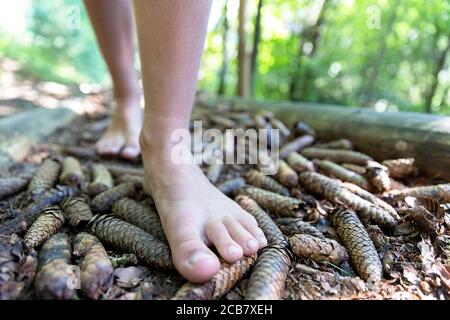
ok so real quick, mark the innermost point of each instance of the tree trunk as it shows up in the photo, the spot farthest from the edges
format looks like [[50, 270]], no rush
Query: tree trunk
[[310, 33], [243, 88], [444, 98], [382, 135], [432, 90], [295, 78], [224, 69], [256, 39], [308, 78]]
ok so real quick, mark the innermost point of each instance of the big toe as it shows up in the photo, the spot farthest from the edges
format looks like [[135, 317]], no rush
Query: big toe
[[195, 261], [109, 145], [131, 150], [191, 257]]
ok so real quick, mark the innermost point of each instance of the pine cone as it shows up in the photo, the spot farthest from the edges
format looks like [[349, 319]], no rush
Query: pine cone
[[273, 202], [378, 176], [296, 145], [96, 269], [44, 178], [141, 215], [103, 202], [71, 173], [12, 185], [270, 229], [299, 163], [268, 278], [355, 238], [77, 211], [260, 180], [318, 249], [291, 226], [229, 187], [131, 239], [439, 192], [337, 171], [400, 168], [101, 180], [46, 225], [335, 192], [55, 273], [286, 175], [339, 156], [225, 280], [337, 144]]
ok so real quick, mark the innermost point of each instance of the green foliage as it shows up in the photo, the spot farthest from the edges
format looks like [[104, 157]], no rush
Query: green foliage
[[59, 44], [356, 62]]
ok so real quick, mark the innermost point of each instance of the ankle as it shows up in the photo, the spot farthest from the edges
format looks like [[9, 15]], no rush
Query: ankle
[[164, 148], [128, 102]]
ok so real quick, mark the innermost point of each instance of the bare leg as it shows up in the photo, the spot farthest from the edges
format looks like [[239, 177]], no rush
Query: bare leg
[[113, 25], [193, 212]]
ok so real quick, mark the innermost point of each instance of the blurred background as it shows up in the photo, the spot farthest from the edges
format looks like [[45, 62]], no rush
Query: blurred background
[[389, 55]]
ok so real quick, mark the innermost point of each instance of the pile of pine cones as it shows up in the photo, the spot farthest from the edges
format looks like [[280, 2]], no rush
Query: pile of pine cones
[[327, 203]]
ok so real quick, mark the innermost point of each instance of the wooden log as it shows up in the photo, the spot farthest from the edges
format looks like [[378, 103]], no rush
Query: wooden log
[[20, 132], [383, 135]]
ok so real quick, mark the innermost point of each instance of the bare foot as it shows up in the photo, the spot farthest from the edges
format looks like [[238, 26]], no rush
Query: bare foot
[[122, 135], [195, 215]]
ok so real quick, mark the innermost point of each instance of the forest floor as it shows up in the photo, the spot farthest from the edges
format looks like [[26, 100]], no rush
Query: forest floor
[[415, 261]]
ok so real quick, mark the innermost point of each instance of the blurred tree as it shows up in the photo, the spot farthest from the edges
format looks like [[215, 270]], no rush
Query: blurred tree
[[256, 39], [376, 59], [224, 69], [387, 55], [244, 62]]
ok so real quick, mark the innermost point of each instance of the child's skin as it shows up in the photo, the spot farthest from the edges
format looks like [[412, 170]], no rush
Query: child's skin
[[194, 214]]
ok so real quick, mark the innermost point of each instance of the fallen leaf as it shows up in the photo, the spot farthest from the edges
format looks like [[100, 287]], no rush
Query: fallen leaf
[[410, 274]]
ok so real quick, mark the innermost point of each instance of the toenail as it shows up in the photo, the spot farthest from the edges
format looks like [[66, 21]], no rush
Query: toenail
[[251, 244], [196, 257], [232, 249]]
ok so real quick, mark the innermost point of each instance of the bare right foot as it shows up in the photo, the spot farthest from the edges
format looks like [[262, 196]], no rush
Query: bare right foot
[[122, 135], [195, 215]]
